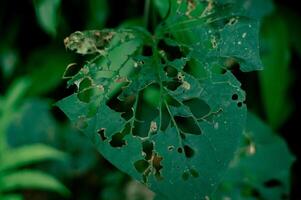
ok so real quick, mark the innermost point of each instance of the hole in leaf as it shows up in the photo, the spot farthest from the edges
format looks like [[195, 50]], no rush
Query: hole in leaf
[[234, 97], [123, 106], [231, 64], [127, 105], [163, 61], [117, 140], [170, 148], [147, 50], [148, 147], [141, 165], [145, 115], [239, 104], [189, 152], [172, 85], [172, 51], [156, 162], [71, 70], [180, 150], [151, 95], [171, 101], [272, 183], [187, 125], [101, 133], [165, 118], [198, 107]]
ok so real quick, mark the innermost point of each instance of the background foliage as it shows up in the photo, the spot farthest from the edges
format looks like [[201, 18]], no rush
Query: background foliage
[[40, 156]]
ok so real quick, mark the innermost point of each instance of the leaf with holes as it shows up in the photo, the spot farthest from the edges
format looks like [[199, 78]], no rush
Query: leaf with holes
[[250, 174], [144, 110]]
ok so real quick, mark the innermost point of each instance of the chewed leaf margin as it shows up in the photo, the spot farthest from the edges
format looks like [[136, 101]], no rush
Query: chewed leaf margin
[[148, 114]]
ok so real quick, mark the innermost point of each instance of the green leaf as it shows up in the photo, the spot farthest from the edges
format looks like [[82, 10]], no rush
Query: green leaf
[[183, 136], [98, 13], [162, 6], [26, 155], [47, 14], [276, 79], [293, 26], [45, 70], [228, 31], [11, 197], [251, 169], [29, 179], [8, 107], [214, 125], [34, 119], [9, 58]]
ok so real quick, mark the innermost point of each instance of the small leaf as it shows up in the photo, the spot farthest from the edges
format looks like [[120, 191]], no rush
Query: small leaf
[[276, 79], [29, 179], [47, 14]]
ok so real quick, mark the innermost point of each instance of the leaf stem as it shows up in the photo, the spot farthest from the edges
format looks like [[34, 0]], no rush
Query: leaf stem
[[147, 6]]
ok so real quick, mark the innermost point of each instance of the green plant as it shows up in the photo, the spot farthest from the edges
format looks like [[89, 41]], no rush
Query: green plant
[[164, 106], [13, 175]]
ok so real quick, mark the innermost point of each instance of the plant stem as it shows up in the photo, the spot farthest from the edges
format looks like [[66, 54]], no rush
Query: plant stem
[[146, 12]]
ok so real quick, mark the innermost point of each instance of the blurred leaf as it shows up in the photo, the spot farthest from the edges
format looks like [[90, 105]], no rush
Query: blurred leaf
[[29, 154], [293, 25], [276, 77], [132, 22], [98, 13], [47, 14], [8, 61], [35, 120], [8, 106], [162, 6], [29, 179], [137, 191], [15, 93], [111, 193], [11, 197], [262, 165], [46, 68]]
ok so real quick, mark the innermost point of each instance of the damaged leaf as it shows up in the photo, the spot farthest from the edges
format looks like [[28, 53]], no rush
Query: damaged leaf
[[148, 114]]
